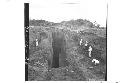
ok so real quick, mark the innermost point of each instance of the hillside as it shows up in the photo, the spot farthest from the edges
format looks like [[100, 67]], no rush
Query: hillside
[[64, 37]]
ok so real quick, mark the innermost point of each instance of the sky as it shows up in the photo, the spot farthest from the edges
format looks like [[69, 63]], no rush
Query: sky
[[64, 10]]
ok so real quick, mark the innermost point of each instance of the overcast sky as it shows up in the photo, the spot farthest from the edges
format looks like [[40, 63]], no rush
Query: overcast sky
[[63, 10]]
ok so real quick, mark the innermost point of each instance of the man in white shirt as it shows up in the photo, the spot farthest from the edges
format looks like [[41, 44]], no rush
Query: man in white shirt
[[36, 42], [81, 41], [86, 43], [90, 50]]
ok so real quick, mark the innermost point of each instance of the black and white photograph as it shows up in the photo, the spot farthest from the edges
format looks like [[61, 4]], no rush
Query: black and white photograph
[[66, 41], [62, 41]]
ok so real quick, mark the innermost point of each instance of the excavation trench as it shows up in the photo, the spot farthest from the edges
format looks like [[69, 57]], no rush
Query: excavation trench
[[59, 53]]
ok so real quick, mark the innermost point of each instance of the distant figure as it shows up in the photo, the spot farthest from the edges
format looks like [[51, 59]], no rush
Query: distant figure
[[81, 41], [77, 31], [86, 43], [95, 61], [36, 42], [90, 50]]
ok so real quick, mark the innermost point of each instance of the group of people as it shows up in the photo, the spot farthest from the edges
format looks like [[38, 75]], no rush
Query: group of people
[[86, 45], [89, 50]]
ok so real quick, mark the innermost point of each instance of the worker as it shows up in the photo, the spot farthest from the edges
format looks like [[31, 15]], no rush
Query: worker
[[90, 50], [86, 43], [36, 42], [81, 41], [95, 61]]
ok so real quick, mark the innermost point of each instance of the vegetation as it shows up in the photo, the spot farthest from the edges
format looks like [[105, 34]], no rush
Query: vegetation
[[78, 66]]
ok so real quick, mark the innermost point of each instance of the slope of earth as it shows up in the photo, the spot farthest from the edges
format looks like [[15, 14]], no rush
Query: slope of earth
[[79, 67]]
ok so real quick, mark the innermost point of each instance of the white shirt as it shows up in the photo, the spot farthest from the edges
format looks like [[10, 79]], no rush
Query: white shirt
[[81, 42], [86, 43], [36, 42], [90, 48], [95, 61]]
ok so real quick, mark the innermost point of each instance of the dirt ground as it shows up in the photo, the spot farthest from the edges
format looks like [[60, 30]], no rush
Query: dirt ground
[[74, 63]]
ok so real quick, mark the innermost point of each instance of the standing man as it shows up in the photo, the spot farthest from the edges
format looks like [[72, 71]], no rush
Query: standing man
[[81, 42], [90, 50], [86, 44], [36, 42]]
